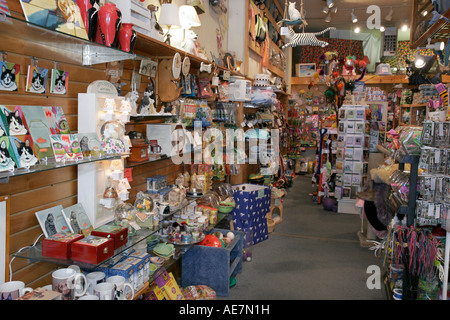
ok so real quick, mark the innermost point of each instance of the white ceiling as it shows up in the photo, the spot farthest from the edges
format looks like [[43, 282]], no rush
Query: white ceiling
[[342, 18]]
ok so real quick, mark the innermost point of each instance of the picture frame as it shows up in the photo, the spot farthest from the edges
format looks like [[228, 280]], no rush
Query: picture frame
[[346, 193], [305, 69], [77, 219], [52, 221]]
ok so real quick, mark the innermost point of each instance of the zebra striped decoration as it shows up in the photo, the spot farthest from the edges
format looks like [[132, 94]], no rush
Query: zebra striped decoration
[[306, 39]]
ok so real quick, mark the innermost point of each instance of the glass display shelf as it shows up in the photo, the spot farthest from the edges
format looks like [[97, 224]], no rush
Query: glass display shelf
[[59, 46], [51, 164]]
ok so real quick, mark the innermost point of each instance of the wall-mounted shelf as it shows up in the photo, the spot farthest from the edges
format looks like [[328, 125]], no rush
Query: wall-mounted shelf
[[58, 46], [368, 79]]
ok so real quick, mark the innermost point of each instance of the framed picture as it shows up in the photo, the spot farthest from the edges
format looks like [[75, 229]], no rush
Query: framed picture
[[346, 192], [305, 69], [148, 68], [4, 238]]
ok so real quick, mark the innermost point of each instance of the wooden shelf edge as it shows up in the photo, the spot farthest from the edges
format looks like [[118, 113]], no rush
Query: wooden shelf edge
[[431, 31], [369, 79]]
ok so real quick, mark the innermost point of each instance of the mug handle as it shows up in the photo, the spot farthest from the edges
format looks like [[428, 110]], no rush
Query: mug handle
[[79, 276], [127, 284], [26, 290]]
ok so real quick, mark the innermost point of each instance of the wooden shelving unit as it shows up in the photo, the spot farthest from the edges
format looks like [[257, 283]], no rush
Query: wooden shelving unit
[[369, 79], [439, 31]]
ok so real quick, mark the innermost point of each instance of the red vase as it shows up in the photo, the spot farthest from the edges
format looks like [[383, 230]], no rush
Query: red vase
[[89, 14], [127, 37], [109, 20]]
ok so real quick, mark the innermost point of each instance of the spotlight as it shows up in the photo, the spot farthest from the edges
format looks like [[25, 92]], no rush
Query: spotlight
[[330, 4], [382, 29], [424, 13], [325, 10], [357, 30], [419, 62], [354, 18], [437, 46], [328, 18], [389, 15], [334, 9], [404, 27]]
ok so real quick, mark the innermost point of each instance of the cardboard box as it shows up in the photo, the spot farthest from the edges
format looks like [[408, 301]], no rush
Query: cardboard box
[[169, 287], [59, 245], [155, 293], [125, 270], [117, 233], [92, 249]]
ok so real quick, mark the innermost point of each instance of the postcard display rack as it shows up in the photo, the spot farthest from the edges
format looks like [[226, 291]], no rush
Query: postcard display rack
[[103, 114], [352, 155]]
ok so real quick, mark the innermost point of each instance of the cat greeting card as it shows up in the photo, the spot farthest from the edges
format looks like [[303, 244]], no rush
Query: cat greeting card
[[66, 147], [8, 160], [90, 144], [56, 120], [39, 130], [24, 150], [14, 119], [52, 221], [77, 219], [59, 83], [37, 79], [9, 76]]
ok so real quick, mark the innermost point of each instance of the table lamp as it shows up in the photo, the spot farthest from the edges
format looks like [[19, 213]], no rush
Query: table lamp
[[169, 17]]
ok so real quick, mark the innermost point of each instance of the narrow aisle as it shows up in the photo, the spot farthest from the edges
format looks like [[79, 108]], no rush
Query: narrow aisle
[[312, 254]]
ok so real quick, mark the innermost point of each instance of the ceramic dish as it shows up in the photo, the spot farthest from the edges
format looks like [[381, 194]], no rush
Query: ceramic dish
[[157, 261], [193, 241]]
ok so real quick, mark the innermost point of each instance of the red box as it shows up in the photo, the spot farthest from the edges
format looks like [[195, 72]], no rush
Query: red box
[[92, 249], [59, 245], [117, 233]]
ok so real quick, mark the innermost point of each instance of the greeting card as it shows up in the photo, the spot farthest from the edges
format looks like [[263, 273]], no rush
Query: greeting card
[[24, 149], [56, 120], [59, 83], [39, 130], [66, 147], [77, 219], [90, 144], [37, 79], [8, 160], [52, 221], [14, 120], [9, 76]]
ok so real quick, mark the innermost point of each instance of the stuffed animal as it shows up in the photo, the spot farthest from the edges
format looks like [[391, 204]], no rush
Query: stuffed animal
[[188, 44]]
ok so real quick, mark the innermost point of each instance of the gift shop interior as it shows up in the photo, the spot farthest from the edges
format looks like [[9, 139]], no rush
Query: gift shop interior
[[193, 149]]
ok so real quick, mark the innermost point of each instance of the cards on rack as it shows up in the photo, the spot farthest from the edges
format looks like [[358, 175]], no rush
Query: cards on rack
[[77, 219], [52, 221], [66, 147]]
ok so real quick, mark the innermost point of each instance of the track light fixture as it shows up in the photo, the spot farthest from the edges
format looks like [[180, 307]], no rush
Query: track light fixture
[[334, 9], [330, 4], [354, 18], [357, 30], [389, 15], [325, 10], [328, 17], [382, 29], [437, 46], [404, 27]]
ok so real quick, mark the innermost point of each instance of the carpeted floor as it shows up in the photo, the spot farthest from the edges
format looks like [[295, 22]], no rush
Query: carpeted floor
[[313, 254]]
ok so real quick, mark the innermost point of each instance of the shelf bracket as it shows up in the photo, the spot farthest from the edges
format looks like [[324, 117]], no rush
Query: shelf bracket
[[94, 54]]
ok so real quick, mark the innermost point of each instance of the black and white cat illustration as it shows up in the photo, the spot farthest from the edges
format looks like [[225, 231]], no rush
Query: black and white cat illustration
[[6, 162], [8, 79], [60, 84], [37, 84], [15, 124], [50, 225], [26, 155]]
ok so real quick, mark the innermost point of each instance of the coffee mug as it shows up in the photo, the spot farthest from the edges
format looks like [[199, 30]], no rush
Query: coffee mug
[[13, 290], [94, 278], [104, 291], [89, 297], [120, 285], [66, 281]]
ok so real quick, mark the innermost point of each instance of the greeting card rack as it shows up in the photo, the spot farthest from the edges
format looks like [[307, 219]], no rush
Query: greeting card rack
[[409, 211]]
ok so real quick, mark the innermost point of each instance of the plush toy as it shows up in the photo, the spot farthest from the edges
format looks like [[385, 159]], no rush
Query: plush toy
[[188, 44]]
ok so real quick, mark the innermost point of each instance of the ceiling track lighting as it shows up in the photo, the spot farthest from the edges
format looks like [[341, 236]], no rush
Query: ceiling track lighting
[[382, 29], [334, 9], [437, 46], [357, 29], [424, 12], [330, 4], [404, 27], [325, 10], [354, 18], [328, 17]]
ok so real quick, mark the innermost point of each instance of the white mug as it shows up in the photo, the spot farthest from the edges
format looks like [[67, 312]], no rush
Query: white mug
[[94, 278], [13, 290], [89, 297], [104, 291], [120, 285], [65, 281]]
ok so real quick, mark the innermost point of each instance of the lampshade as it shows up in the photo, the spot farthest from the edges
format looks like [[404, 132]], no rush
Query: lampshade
[[169, 15], [189, 17]]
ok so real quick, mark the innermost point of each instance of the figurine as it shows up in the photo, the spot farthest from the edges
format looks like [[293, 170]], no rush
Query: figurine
[[146, 106]]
